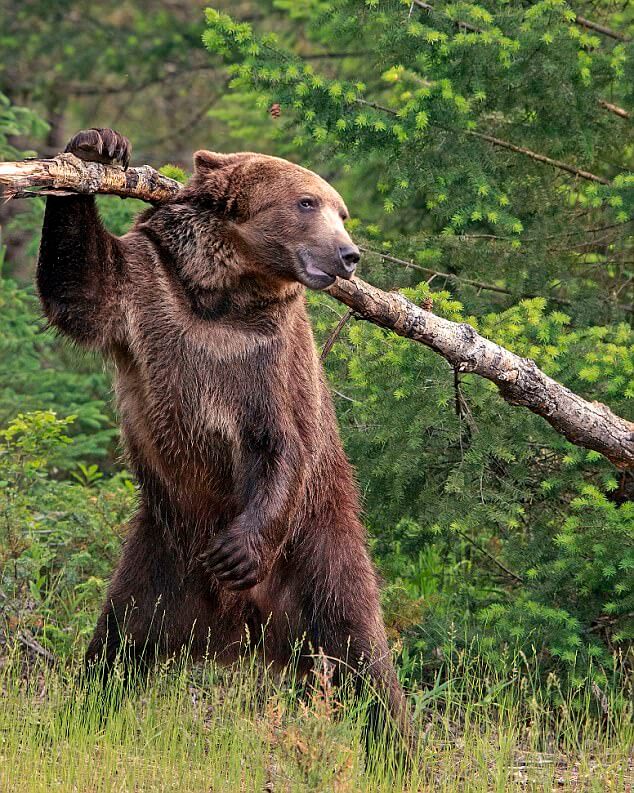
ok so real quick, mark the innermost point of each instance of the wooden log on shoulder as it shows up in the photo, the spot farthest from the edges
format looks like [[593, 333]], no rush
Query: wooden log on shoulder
[[591, 425]]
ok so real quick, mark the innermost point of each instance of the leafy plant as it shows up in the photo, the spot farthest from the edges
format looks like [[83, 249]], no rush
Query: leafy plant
[[58, 538]]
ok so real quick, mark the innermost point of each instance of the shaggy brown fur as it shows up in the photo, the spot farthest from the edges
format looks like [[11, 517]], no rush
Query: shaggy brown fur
[[249, 514]]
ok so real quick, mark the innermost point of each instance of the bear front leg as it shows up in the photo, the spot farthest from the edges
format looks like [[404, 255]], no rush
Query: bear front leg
[[241, 555], [81, 266]]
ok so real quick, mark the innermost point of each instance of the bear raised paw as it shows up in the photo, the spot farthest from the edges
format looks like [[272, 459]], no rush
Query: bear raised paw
[[100, 145]]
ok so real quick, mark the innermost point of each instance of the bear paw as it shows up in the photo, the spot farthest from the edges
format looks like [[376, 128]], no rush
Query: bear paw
[[100, 145], [234, 558]]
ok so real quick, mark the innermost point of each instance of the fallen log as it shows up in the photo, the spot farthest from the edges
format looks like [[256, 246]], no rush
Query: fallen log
[[591, 425]]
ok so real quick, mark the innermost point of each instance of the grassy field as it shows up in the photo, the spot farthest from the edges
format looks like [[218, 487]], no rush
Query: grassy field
[[208, 729]]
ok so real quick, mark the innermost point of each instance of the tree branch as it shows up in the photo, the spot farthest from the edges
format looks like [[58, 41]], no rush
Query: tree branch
[[66, 173], [409, 265], [457, 22], [590, 25], [618, 111], [563, 166], [588, 424], [490, 556], [579, 20], [504, 144], [453, 277], [36, 648], [330, 341], [586, 23]]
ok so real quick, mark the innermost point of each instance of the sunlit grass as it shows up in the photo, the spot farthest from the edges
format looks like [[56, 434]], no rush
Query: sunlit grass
[[204, 728]]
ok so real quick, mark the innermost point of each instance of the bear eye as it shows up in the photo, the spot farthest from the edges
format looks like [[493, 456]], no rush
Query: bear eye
[[307, 203]]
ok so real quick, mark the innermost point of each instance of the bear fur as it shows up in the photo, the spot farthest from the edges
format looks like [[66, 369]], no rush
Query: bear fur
[[248, 522]]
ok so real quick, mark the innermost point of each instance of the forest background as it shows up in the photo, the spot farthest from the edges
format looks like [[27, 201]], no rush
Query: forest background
[[485, 151]]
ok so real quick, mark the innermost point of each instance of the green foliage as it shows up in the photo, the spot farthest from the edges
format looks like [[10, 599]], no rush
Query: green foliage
[[527, 532], [58, 537], [16, 121], [174, 172], [404, 113], [54, 51], [38, 371]]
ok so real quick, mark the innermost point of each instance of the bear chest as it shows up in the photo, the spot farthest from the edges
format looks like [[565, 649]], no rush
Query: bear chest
[[186, 404]]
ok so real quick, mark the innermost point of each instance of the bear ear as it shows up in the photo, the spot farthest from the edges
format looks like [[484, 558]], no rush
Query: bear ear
[[213, 160]]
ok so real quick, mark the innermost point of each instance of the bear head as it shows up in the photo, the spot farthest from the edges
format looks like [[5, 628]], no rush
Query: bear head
[[283, 218]]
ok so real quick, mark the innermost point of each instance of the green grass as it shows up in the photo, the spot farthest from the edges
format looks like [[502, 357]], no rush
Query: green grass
[[203, 728]]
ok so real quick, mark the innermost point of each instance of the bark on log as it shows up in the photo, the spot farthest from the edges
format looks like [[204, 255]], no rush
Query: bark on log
[[67, 173], [618, 111], [589, 424]]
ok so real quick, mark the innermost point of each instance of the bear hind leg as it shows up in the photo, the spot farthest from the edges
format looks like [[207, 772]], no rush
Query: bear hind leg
[[145, 615]]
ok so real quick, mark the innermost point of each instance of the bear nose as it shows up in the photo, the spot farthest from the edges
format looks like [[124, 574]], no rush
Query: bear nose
[[349, 255]]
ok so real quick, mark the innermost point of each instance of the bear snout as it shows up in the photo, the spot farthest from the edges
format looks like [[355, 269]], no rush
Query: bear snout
[[349, 256]]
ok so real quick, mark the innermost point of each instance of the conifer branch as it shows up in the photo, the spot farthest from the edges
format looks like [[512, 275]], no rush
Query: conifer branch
[[504, 144], [563, 166], [579, 20], [605, 31], [457, 22], [513, 576], [454, 277], [586, 23], [588, 424], [409, 265]]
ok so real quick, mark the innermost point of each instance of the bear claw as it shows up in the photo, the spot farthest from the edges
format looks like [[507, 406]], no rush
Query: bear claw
[[232, 559], [100, 145]]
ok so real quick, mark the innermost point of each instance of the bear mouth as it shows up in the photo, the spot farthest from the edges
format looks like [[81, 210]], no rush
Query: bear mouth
[[312, 275]]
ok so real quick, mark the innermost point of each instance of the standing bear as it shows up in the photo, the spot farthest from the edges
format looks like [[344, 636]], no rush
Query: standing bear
[[248, 523]]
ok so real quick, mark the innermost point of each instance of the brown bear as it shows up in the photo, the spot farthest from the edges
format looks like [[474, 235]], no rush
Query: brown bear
[[248, 523]]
